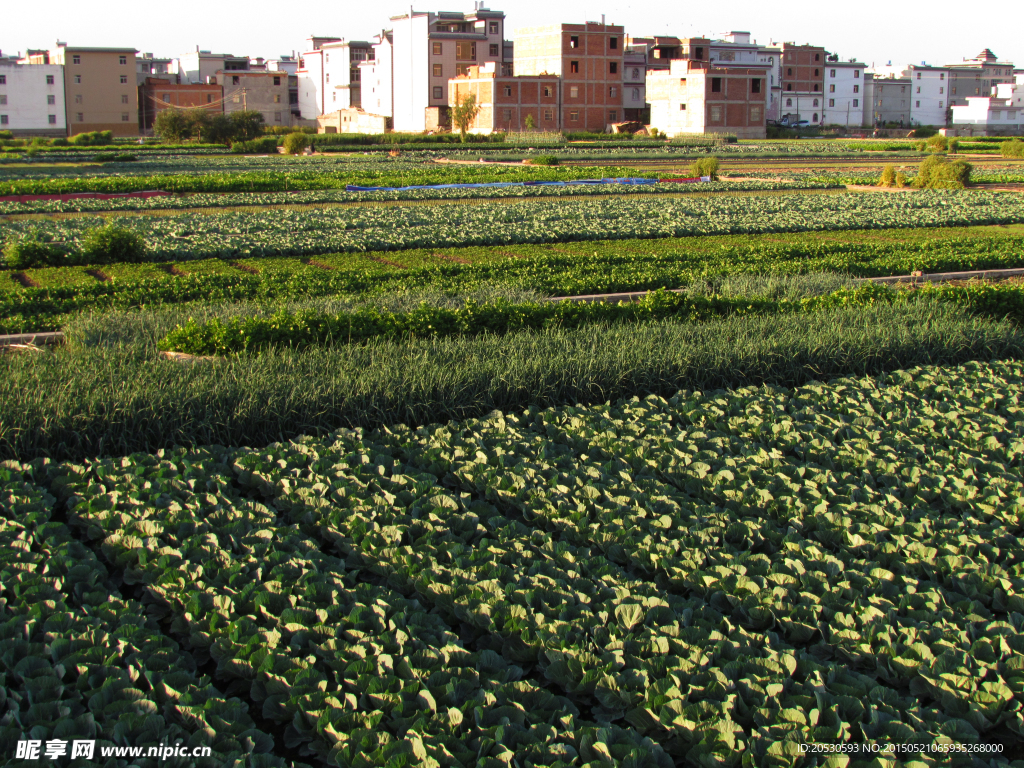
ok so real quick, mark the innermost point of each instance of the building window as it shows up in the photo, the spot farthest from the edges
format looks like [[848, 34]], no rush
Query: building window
[[235, 81], [461, 69], [124, 79], [942, 76], [789, 71], [334, 97], [832, 73], [682, 107], [49, 79], [78, 98], [436, 49], [437, 70], [789, 102], [918, 75], [613, 91], [715, 113], [755, 114], [492, 28], [815, 118], [574, 67], [815, 103], [547, 90], [124, 117], [80, 117], [209, 98], [52, 119], [508, 90], [903, 89], [815, 73], [832, 88], [856, 73], [76, 59], [494, 50], [78, 79], [699, 52], [438, 92], [953, 90], [636, 94], [328, 76], [789, 86], [122, 60], [277, 98], [755, 85], [277, 117], [124, 98], [942, 90], [574, 41], [277, 81], [3, 98], [574, 92], [831, 102], [817, 57], [613, 67], [716, 85], [3, 119], [919, 89], [917, 103], [574, 115], [815, 87], [548, 115], [51, 99], [613, 116], [465, 50], [167, 97], [856, 102], [508, 115], [236, 99], [856, 89], [636, 73], [613, 43], [940, 105]]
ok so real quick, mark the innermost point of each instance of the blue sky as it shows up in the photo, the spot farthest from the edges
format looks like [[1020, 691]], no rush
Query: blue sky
[[938, 32]]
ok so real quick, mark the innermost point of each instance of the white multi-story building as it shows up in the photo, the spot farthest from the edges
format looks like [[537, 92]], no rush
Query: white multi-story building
[[377, 92], [32, 99], [930, 92], [330, 78], [199, 66], [431, 48], [1001, 114], [844, 94]]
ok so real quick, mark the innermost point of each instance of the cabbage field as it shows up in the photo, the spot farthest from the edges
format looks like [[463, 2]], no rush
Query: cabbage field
[[715, 578]]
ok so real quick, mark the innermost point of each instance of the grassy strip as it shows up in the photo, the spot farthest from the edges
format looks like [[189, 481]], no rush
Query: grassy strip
[[118, 399], [573, 268], [306, 329]]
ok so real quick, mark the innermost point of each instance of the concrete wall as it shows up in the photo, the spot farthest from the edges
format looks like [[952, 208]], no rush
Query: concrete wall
[[311, 85], [257, 91], [505, 102], [892, 101], [376, 86], [684, 101], [101, 93], [32, 99], [352, 121]]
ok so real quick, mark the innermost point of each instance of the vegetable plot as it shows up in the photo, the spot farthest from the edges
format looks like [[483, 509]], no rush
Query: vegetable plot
[[716, 578]]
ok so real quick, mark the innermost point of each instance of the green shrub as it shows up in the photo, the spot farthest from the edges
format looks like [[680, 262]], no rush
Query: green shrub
[[1014, 148], [294, 143], [939, 173], [954, 146], [543, 160], [4, 135], [111, 243], [937, 144], [92, 138], [59, 142], [921, 146], [901, 180], [266, 145], [705, 166], [30, 250], [924, 132], [32, 152], [888, 177]]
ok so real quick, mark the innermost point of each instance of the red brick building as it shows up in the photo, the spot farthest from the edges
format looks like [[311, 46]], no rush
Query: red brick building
[[504, 101], [157, 94], [803, 68], [587, 59]]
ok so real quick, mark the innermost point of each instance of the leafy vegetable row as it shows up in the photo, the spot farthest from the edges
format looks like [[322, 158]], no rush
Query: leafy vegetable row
[[310, 328], [80, 662]]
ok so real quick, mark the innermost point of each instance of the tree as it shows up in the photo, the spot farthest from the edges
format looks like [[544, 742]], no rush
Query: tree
[[464, 113], [529, 122], [294, 143], [172, 125], [246, 125], [217, 130]]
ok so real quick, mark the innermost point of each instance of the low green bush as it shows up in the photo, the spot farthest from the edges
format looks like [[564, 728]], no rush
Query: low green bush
[[30, 250], [939, 173], [92, 138], [937, 144], [543, 160], [901, 179], [111, 243], [1013, 148], [114, 157], [294, 143], [266, 145], [888, 177], [705, 166]]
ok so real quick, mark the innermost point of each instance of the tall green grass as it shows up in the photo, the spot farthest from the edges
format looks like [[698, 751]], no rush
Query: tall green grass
[[119, 397]]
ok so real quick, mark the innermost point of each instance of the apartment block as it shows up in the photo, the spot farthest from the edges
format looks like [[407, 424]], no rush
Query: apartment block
[[329, 78], [978, 76], [588, 58], [32, 99], [634, 86], [803, 68], [157, 94], [694, 96], [1001, 114], [376, 77], [891, 100], [930, 92], [199, 66], [844, 94], [505, 102], [428, 49], [263, 92], [100, 88]]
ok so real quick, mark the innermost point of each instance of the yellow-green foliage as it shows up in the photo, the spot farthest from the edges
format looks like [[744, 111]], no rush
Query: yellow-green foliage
[[705, 166], [888, 177], [939, 173], [1013, 148], [938, 144], [294, 143]]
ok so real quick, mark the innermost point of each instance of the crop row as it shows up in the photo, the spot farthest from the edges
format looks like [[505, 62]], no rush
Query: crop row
[[299, 233], [730, 574], [303, 329], [80, 662], [568, 269]]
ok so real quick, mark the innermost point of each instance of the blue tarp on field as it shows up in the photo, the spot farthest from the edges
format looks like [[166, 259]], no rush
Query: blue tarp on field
[[496, 184]]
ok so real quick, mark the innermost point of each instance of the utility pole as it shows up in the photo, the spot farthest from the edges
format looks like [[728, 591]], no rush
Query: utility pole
[[245, 106]]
